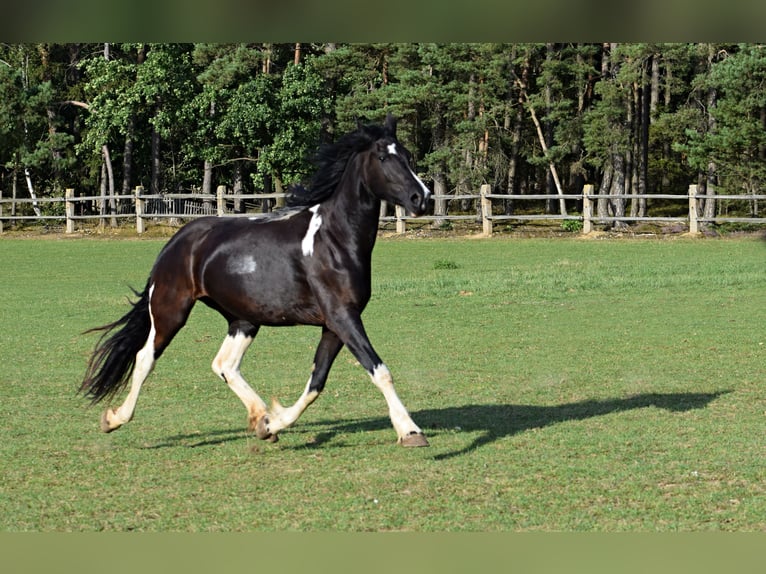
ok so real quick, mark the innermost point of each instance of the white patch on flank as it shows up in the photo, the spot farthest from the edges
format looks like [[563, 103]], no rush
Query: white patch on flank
[[307, 245], [242, 265], [392, 149]]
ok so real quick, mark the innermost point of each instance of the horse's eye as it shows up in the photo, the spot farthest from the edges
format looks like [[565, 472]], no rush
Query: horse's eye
[[382, 157]]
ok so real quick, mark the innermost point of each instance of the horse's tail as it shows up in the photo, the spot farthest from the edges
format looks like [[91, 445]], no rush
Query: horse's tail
[[114, 357]]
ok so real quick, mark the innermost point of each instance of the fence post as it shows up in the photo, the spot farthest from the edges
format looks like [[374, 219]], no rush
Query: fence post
[[486, 209], [693, 214], [140, 209], [400, 215], [1, 211], [587, 208], [69, 209], [220, 202]]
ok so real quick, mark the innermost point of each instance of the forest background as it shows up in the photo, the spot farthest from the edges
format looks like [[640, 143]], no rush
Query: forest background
[[546, 118]]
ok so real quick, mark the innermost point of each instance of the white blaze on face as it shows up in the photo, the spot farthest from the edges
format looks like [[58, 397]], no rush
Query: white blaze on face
[[307, 245], [392, 151]]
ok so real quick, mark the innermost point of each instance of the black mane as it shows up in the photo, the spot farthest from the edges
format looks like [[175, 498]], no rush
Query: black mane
[[330, 162]]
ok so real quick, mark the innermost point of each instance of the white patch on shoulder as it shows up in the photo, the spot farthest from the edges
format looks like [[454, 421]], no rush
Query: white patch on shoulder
[[307, 245], [392, 149], [242, 265]]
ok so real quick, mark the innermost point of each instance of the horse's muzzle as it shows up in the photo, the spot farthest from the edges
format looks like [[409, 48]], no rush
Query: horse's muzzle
[[418, 205]]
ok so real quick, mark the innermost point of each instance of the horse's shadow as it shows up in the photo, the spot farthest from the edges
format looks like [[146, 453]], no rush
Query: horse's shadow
[[491, 421]]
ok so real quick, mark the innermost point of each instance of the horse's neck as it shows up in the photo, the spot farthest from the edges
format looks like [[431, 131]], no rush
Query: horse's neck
[[354, 212]]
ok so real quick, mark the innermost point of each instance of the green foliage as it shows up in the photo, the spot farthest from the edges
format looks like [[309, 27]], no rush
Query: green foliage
[[737, 142], [254, 115], [445, 264], [572, 225]]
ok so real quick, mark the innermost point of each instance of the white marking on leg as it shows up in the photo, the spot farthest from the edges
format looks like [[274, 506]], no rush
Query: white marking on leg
[[307, 245], [226, 365], [282, 417], [400, 418], [143, 367]]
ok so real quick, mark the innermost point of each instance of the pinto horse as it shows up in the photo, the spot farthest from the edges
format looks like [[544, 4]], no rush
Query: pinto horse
[[307, 264]]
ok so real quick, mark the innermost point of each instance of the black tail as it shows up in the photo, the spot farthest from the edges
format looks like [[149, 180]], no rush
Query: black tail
[[114, 357]]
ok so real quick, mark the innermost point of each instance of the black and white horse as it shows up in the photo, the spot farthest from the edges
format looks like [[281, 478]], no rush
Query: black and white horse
[[307, 264]]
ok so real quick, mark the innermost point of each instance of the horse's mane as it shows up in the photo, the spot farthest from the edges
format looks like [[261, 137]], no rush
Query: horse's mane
[[330, 162]]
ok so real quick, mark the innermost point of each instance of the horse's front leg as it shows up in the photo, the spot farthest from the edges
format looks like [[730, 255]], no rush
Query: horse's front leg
[[351, 330], [280, 417]]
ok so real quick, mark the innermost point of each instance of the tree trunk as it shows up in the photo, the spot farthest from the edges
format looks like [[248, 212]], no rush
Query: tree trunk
[[618, 188], [603, 191], [709, 205], [641, 154], [541, 137], [154, 186], [127, 156], [32, 194], [440, 191], [102, 201], [110, 180], [130, 133], [238, 187], [512, 185], [513, 162], [207, 182], [14, 192], [439, 137], [207, 168], [553, 173]]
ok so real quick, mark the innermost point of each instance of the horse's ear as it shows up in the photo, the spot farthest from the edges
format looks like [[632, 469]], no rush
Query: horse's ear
[[390, 125]]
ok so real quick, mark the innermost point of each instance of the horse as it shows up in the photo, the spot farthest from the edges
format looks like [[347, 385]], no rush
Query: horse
[[308, 263]]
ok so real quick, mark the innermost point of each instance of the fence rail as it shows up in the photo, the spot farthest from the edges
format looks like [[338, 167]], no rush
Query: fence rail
[[142, 208]]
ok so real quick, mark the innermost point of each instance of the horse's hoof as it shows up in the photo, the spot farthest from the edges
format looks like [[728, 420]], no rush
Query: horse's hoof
[[106, 426], [262, 430], [414, 439]]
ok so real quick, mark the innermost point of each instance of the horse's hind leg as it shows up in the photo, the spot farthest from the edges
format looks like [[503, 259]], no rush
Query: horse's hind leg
[[226, 365], [167, 315], [279, 417], [112, 419]]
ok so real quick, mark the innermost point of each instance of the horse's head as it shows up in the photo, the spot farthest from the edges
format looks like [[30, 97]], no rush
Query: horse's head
[[389, 174]]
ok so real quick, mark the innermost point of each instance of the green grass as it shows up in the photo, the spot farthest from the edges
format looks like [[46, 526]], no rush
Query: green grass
[[564, 384]]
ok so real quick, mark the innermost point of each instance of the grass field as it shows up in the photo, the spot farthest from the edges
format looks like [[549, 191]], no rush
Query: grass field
[[564, 384]]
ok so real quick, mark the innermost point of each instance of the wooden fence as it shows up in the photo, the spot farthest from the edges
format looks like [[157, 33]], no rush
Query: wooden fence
[[142, 208]]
